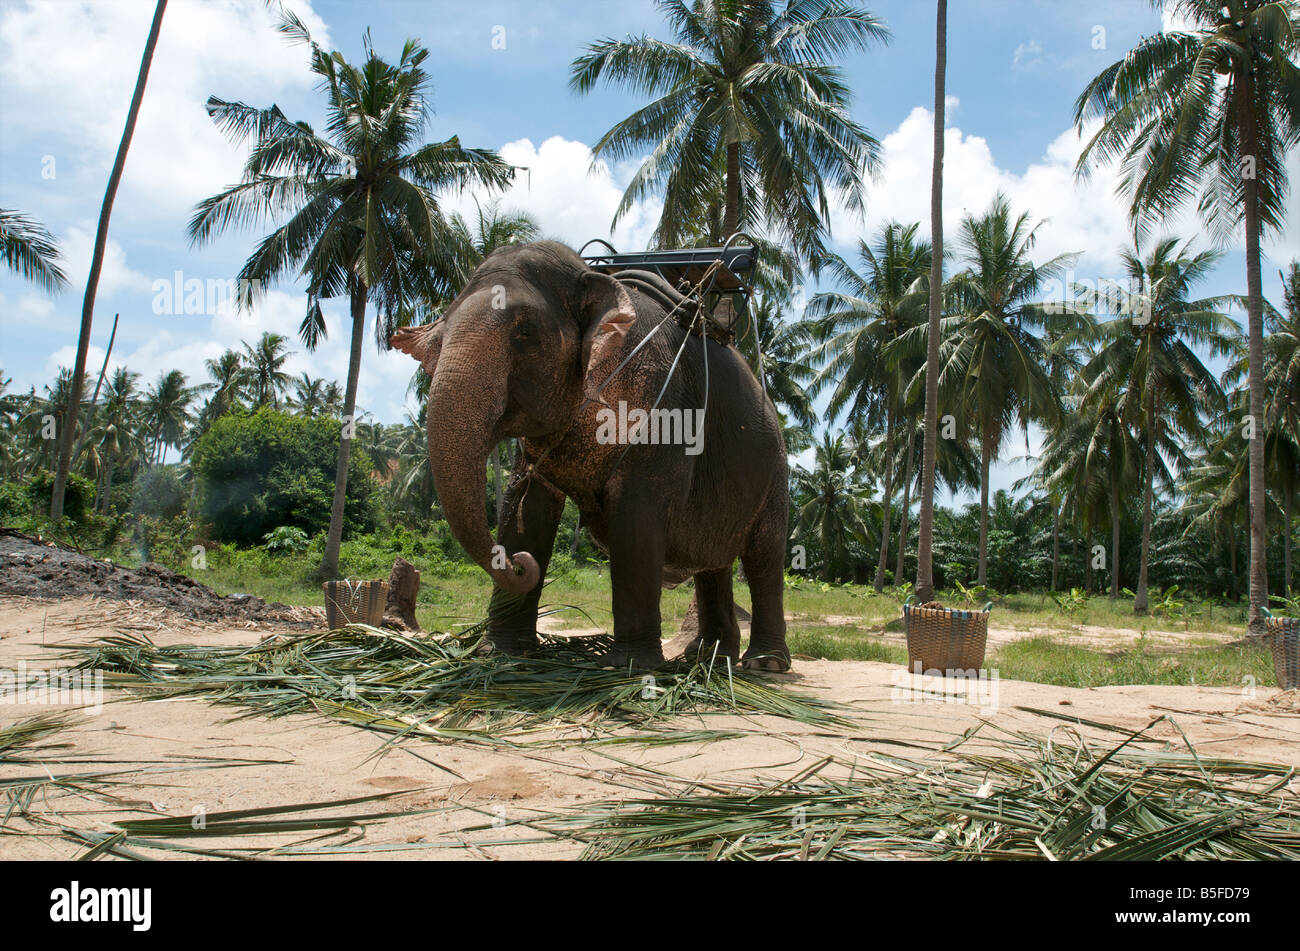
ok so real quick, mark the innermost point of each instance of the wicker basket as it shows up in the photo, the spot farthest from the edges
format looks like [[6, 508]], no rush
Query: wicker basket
[[945, 639], [354, 602], [1284, 639]]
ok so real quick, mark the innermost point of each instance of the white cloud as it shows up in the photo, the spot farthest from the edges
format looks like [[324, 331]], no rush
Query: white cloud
[[33, 307], [114, 274], [1082, 216], [570, 200], [1027, 55], [74, 67]]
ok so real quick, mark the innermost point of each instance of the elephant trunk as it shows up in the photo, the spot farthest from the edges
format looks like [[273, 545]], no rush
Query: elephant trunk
[[466, 401]]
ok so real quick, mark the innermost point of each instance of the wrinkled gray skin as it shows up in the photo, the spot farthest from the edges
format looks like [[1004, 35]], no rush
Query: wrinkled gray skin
[[518, 354]]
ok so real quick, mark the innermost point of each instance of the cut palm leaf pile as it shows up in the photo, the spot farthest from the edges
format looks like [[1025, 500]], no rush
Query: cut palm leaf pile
[[1027, 798], [18, 738], [446, 686]]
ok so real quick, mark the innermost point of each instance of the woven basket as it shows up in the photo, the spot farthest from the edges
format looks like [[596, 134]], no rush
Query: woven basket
[[1284, 640], [945, 639], [354, 602]]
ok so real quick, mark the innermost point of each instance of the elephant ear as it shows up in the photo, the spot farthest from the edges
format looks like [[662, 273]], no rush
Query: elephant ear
[[423, 342], [607, 314]]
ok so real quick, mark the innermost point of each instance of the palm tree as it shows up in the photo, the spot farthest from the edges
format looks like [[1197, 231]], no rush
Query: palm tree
[[1282, 374], [412, 484], [332, 399], [1216, 485], [466, 246], [1066, 350], [777, 350], [28, 249], [1092, 460], [1147, 361], [1283, 343], [1212, 113], [116, 436], [360, 200], [930, 442], [308, 395], [956, 468], [265, 379], [11, 411], [229, 378], [832, 501], [54, 405], [166, 412], [993, 364], [68, 432], [380, 443], [857, 327], [747, 106]]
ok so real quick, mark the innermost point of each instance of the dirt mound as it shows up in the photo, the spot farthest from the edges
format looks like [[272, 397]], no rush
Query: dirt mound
[[39, 569]]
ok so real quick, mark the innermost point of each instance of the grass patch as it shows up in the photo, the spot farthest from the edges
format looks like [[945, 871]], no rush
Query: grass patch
[[838, 643], [1044, 660]]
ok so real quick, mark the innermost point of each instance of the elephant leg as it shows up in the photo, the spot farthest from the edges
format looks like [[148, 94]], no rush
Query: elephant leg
[[637, 545], [512, 624], [764, 563], [716, 608]]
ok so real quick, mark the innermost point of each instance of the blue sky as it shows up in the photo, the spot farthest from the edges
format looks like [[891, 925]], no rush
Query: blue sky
[[1015, 68]]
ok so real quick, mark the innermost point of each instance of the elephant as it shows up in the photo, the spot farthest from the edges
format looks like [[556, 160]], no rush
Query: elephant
[[541, 347]]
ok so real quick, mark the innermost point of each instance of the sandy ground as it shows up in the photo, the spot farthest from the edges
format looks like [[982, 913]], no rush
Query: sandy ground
[[446, 788]]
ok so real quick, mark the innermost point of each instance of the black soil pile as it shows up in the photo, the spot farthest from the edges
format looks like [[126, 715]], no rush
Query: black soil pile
[[39, 569]]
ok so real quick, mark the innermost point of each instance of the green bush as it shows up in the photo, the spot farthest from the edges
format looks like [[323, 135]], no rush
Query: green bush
[[15, 503], [158, 494], [265, 470], [169, 541], [286, 539], [78, 498]]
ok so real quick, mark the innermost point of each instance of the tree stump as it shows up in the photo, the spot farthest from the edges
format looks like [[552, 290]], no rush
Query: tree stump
[[403, 587]]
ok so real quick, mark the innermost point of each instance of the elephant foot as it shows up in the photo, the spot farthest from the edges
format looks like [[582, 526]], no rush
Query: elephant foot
[[512, 644], [642, 658], [767, 661], [701, 648]]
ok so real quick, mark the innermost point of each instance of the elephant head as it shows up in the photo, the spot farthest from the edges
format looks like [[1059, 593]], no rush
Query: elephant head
[[533, 333]]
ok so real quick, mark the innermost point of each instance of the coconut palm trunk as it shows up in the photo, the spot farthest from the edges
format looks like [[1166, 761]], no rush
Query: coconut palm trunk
[[907, 503], [886, 500], [1286, 545], [1088, 582], [69, 432], [924, 573], [94, 399], [1056, 547], [986, 459], [1140, 599], [329, 568], [1232, 561], [106, 499], [1255, 332], [731, 216], [1114, 539]]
